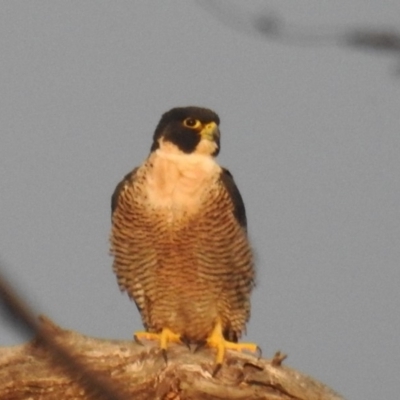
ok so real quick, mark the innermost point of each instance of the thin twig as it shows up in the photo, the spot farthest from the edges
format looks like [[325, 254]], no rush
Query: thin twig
[[28, 324]]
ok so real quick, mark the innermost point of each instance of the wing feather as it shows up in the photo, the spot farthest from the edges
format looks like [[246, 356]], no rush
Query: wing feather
[[117, 191], [239, 209]]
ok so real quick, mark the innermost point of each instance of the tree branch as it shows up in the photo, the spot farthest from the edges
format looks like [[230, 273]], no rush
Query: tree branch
[[139, 372]]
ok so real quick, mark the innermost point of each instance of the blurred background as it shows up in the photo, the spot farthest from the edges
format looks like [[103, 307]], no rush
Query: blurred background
[[308, 95]]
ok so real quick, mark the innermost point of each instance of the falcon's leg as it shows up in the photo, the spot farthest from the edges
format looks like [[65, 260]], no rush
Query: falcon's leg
[[216, 339], [166, 336]]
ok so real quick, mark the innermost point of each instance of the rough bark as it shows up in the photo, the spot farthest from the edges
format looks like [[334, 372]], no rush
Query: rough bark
[[31, 371]]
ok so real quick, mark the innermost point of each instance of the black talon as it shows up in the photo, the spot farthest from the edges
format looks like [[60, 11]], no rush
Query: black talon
[[185, 341], [258, 352], [199, 346], [136, 339], [216, 369], [164, 354]]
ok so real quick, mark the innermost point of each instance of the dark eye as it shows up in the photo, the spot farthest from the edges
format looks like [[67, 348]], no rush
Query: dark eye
[[191, 122]]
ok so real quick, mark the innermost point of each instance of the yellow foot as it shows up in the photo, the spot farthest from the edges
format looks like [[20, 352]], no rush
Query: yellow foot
[[166, 336], [216, 339]]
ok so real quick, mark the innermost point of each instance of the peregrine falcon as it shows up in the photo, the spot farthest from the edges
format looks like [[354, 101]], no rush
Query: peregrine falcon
[[179, 238]]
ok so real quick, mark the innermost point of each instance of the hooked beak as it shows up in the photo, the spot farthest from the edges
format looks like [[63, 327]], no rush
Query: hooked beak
[[210, 132]]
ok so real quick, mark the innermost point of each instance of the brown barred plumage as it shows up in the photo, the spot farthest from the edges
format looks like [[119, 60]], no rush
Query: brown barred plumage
[[179, 239]]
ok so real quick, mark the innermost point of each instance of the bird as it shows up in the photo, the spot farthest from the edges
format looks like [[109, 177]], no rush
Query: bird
[[179, 238]]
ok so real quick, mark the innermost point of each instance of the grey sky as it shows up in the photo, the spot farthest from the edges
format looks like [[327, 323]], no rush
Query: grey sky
[[311, 134]]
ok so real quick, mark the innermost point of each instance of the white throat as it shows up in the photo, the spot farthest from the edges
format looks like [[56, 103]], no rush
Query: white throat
[[177, 180]]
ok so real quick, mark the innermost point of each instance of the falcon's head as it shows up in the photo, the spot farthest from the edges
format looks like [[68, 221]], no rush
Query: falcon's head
[[189, 130]]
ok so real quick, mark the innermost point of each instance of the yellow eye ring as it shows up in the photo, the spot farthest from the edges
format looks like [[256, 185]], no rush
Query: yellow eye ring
[[192, 123]]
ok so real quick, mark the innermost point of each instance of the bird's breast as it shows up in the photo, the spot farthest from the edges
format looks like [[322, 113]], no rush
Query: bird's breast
[[179, 182]]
